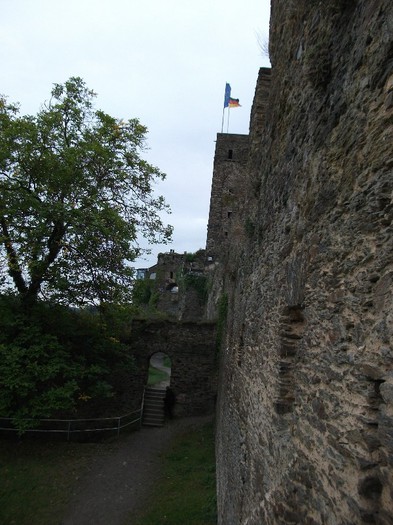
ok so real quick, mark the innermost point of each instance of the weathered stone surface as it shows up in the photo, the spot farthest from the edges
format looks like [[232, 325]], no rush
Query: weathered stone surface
[[192, 349], [305, 418]]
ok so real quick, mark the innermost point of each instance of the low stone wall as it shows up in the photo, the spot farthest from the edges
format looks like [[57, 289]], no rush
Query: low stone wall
[[192, 350]]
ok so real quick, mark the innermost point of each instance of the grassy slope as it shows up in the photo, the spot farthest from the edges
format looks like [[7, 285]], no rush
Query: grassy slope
[[185, 494], [37, 480], [156, 376]]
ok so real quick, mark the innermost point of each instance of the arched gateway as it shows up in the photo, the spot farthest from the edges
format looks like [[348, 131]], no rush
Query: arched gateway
[[191, 348]]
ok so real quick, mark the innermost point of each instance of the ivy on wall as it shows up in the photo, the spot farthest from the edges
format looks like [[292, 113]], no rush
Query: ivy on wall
[[198, 283]]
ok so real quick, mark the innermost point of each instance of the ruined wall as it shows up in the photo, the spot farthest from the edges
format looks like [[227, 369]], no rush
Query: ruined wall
[[305, 418], [177, 286], [192, 349]]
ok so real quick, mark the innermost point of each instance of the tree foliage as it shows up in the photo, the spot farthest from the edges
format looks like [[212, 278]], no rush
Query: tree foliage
[[75, 195], [57, 361]]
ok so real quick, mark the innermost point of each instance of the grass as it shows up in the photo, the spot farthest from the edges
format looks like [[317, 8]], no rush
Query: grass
[[36, 479], [156, 376], [185, 494]]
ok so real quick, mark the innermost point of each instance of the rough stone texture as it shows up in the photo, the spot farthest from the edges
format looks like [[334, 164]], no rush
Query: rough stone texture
[[305, 416], [175, 297], [192, 350], [230, 161], [226, 226]]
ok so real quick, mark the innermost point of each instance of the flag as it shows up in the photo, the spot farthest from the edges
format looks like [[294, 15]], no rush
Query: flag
[[227, 95], [234, 103]]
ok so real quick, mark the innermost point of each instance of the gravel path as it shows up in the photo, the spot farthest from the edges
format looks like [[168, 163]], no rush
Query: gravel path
[[120, 481]]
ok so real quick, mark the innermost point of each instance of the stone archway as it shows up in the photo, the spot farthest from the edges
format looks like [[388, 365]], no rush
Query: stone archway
[[191, 348]]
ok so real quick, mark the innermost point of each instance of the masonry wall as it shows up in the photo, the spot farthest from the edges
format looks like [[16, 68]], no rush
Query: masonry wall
[[227, 192], [178, 286], [305, 418], [191, 347]]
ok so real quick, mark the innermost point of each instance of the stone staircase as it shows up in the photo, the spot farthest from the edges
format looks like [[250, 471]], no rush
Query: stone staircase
[[153, 407]]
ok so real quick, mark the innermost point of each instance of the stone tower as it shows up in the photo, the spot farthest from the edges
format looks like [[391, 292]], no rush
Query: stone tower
[[230, 163]]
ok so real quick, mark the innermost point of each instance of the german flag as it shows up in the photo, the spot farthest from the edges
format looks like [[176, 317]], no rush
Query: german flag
[[234, 103]]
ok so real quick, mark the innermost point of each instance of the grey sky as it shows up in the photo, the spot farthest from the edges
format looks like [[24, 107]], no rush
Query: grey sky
[[164, 62]]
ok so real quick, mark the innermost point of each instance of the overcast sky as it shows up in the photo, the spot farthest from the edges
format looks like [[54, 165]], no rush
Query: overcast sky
[[165, 62]]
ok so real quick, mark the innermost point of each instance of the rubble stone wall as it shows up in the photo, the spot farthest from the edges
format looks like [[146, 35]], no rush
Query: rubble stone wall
[[191, 348], [305, 411]]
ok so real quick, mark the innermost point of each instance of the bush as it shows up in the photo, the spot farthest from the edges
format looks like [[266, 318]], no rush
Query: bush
[[141, 292], [54, 360], [198, 283]]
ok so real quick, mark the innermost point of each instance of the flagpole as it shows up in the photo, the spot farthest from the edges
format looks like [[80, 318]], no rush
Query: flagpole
[[226, 102], [222, 123], [229, 112]]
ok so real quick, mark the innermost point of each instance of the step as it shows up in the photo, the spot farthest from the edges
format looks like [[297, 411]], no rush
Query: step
[[153, 412], [154, 398], [153, 420], [155, 390], [153, 424], [158, 406], [154, 395], [153, 407], [153, 417]]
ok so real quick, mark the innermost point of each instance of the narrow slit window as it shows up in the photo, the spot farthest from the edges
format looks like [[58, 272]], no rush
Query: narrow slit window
[[230, 154]]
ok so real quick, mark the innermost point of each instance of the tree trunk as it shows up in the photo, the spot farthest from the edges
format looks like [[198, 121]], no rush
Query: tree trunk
[[14, 269]]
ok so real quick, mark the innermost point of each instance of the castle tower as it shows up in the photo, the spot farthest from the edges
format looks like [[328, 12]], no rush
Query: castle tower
[[229, 171]]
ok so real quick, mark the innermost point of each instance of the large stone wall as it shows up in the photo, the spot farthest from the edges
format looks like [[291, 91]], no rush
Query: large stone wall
[[305, 418]]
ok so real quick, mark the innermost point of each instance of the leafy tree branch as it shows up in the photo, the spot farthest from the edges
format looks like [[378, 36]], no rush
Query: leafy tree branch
[[75, 196]]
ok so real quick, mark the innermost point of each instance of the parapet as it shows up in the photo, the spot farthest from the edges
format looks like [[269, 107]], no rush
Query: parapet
[[231, 147]]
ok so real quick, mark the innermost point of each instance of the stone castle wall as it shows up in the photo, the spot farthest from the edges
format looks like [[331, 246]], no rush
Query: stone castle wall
[[305, 408]]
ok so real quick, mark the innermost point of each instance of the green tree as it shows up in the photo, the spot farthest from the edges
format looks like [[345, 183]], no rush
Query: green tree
[[58, 361], [75, 196]]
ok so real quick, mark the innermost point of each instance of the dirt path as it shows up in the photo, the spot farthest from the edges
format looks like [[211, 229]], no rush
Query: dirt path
[[120, 481]]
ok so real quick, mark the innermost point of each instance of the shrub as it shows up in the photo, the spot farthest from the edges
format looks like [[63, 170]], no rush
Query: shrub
[[198, 283], [53, 360]]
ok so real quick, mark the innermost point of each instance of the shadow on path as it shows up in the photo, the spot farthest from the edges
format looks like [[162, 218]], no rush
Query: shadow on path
[[120, 481]]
